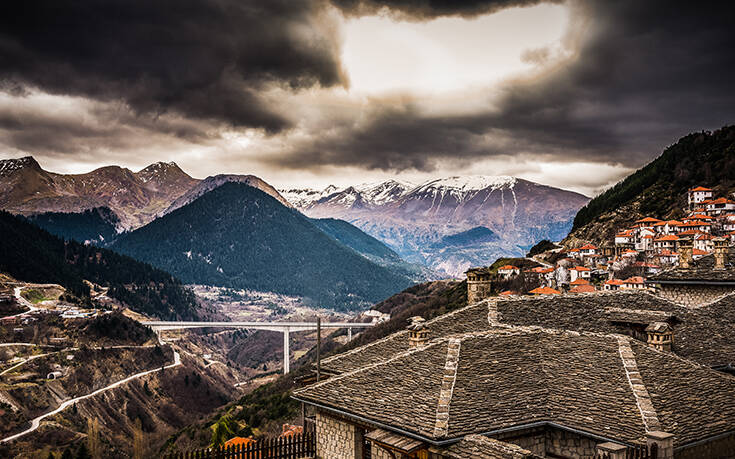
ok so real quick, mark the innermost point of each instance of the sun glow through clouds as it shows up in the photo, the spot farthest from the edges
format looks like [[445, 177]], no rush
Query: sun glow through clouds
[[447, 54]]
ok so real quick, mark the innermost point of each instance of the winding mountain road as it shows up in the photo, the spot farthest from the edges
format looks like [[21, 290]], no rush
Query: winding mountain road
[[35, 423]]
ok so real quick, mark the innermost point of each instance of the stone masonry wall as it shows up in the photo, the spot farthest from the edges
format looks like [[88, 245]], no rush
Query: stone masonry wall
[[336, 438], [568, 444], [694, 295], [533, 440]]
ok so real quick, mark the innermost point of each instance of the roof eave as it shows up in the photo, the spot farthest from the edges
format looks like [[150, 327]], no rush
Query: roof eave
[[690, 282], [448, 441]]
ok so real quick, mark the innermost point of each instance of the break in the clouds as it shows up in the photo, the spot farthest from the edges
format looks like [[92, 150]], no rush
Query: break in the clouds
[[315, 91]]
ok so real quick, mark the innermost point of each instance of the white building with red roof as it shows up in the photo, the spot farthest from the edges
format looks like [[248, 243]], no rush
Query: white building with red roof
[[508, 271], [720, 206], [698, 195], [579, 272], [666, 242]]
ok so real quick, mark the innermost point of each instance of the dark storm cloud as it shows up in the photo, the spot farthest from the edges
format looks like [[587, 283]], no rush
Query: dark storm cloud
[[205, 59], [646, 74], [421, 10]]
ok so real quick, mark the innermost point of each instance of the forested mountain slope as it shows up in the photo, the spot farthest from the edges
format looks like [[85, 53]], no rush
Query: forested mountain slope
[[97, 225], [660, 188], [31, 254], [238, 236]]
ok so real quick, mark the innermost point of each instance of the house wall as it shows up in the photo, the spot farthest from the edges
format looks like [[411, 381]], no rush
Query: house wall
[[545, 441], [694, 295], [477, 290], [533, 440], [568, 444], [337, 438], [721, 448]]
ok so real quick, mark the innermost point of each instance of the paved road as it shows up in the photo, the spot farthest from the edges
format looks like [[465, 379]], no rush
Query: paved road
[[24, 361], [35, 423], [23, 302]]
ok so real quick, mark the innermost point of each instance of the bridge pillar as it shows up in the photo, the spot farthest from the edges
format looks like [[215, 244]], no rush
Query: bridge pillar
[[286, 353], [349, 334]]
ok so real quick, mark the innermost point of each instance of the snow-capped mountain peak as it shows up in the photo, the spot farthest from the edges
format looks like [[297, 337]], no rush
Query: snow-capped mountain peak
[[471, 182], [8, 166]]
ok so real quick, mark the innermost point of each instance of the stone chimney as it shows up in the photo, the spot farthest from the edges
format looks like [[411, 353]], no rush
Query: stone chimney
[[720, 244], [660, 336], [418, 335], [685, 253], [479, 284]]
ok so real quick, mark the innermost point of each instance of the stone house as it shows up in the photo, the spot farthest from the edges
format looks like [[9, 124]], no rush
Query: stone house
[[698, 282], [557, 376]]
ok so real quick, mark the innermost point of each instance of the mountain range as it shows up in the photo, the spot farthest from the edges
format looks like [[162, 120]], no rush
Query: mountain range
[[452, 223], [241, 237], [135, 197]]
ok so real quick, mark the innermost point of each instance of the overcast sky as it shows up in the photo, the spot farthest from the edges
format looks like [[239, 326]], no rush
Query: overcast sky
[[575, 94]]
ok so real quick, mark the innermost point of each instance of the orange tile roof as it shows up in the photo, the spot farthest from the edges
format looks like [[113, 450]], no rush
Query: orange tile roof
[[614, 282], [508, 293], [580, 268], [721, 201], [583, 289], [545, 291], [580, 281], [588, 247], [668, 237], [700, 217], [634, 280], [699, 252], [648, 220], [701, 188], [239, 441], [667, 252], [507, 268]]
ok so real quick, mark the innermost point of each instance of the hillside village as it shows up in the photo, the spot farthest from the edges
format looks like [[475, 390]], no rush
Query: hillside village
[[634, 373], [636, 254]]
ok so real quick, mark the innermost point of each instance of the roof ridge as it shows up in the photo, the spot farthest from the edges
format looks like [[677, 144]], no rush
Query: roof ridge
[[638, 387], [441, 426], [396, 333]]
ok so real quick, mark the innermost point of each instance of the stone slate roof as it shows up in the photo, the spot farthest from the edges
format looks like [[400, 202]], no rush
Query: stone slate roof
[[479, 447], [702, 270], [512, 376], [704, 335]]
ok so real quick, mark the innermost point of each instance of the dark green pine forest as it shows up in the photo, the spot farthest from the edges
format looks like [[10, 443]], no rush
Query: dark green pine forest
[[32, 254], [703, 158], [96, 225], [239, 237]]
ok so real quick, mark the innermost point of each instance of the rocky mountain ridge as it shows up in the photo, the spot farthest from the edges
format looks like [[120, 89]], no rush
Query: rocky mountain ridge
[[136, 197]]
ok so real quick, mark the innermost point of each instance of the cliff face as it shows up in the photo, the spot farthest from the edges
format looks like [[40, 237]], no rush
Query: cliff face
[[660, 188]]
